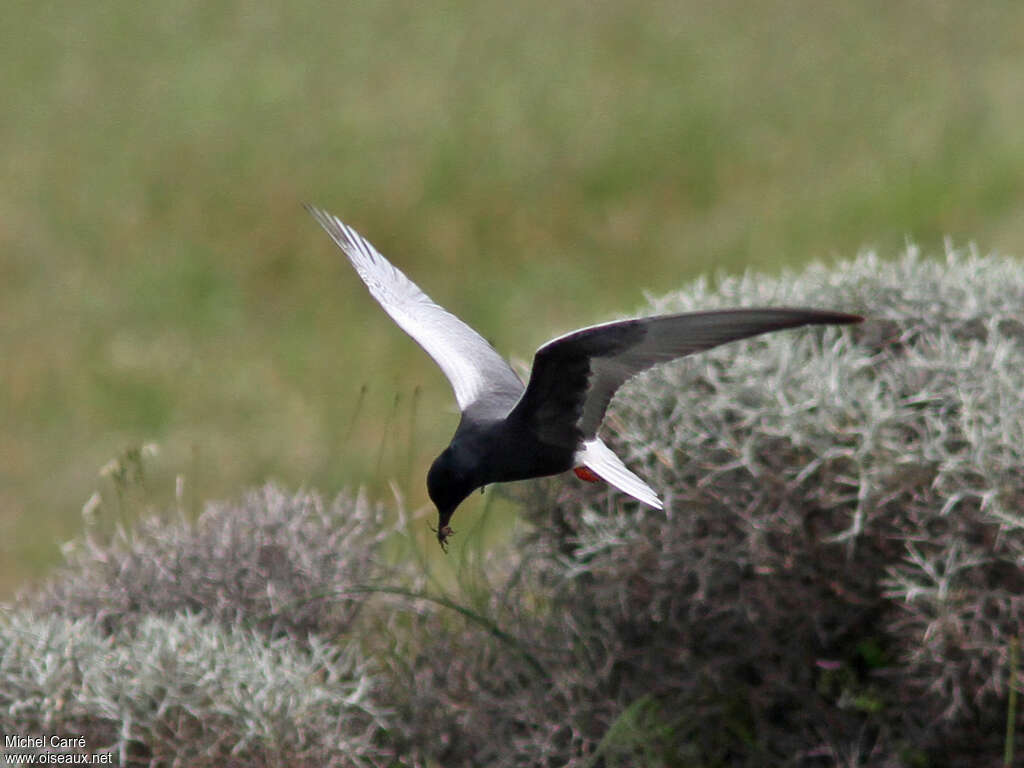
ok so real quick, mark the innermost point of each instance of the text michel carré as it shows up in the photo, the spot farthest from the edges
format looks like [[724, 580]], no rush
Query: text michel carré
[[13, 741]]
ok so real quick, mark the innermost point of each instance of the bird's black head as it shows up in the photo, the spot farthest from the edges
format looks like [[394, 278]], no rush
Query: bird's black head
[[448, 483]]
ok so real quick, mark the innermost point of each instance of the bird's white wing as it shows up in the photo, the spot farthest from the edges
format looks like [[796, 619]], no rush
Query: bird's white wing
[[575, 376], [476, 371]]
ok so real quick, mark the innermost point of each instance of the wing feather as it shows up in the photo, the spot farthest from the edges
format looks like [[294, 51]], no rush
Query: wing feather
[[609, 467], [478, 374], [582, 370]]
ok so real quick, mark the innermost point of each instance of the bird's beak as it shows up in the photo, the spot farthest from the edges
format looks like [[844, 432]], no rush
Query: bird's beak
[[443, 529]]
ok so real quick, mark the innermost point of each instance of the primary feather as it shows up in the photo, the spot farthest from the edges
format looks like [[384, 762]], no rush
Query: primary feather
[[472, 365], [575, 376]]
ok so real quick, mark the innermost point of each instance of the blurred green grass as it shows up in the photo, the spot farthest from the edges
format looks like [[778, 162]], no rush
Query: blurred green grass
[[533, 166]]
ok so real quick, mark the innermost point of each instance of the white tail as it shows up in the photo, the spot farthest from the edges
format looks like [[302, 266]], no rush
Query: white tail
[[598, 457]]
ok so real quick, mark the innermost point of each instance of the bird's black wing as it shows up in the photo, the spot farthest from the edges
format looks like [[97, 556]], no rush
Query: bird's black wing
[[575, 376]]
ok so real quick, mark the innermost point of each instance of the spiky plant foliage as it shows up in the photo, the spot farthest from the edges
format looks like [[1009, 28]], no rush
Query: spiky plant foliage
[[839, 567], [271, 561], [228, 641], [182, 691]]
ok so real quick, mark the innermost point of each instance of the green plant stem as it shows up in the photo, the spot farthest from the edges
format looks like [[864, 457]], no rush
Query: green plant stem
[[493, 629], [1011, 704]]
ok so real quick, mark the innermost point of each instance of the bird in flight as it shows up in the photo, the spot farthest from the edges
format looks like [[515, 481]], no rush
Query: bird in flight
[[509, 431]]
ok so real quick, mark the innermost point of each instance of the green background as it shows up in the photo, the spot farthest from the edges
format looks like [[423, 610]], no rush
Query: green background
[[534, 166]]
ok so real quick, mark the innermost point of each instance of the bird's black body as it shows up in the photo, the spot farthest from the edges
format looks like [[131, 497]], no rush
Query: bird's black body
[[497, 451], [511, 432]]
